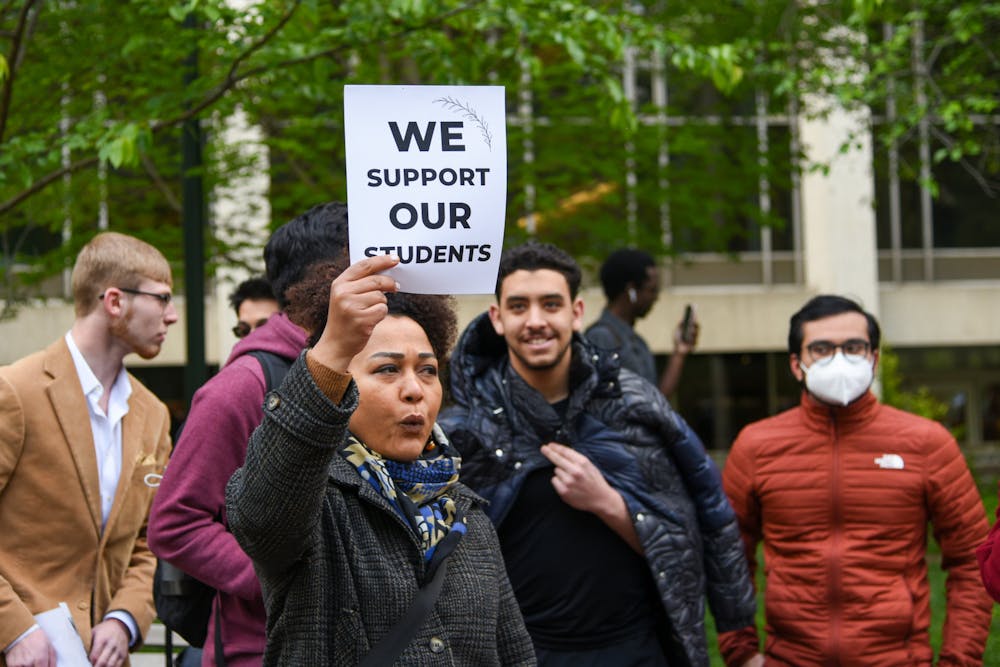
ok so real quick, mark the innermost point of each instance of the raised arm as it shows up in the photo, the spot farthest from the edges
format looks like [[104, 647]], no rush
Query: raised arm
[[275, 500]]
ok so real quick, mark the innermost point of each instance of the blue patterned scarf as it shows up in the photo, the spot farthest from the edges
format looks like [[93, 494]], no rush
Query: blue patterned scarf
[[416, 489]]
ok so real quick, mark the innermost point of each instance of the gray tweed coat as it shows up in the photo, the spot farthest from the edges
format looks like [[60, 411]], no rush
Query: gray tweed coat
[[338, 566]]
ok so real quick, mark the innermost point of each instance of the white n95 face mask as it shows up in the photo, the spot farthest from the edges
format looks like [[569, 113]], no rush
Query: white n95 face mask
[[839, 380]]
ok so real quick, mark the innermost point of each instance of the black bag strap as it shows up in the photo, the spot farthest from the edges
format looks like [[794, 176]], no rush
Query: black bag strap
[[220, 652], [387, 649], [274, 366]]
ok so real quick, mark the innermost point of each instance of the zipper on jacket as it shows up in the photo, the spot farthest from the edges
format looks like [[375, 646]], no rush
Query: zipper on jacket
[[834, 583]]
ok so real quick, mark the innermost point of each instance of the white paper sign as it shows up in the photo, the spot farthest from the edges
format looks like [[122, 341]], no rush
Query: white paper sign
[[427, 181], [58, 627]]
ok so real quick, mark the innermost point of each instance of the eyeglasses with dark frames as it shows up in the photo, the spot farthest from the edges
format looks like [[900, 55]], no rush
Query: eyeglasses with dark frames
[[854, 349], [164, 299]]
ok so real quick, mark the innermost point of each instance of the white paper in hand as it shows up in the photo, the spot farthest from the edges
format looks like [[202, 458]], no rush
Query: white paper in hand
[[59, 628], [427, 181]]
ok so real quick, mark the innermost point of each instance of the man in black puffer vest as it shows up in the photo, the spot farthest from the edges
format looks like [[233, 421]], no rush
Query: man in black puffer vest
[[611, 515]]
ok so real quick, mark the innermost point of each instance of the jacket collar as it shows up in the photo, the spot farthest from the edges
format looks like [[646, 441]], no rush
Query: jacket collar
[[821, 417], [65, 394], [481, 351]]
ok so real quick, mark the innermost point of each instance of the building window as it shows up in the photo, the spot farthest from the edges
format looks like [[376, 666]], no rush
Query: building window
[[704, 176], [721, 393], [966, 382], [936, 218]]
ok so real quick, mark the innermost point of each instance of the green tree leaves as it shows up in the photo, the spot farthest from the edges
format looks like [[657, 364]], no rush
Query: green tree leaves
[[95, 82]]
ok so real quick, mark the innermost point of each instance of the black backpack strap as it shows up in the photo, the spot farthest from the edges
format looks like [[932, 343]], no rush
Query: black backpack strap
[[274, 366], [220, 650]]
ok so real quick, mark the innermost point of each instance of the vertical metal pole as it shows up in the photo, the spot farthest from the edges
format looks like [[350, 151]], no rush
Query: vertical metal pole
[[196, 372], [660, 92], [923, 129], [796, 212], [895, 215], [631, 179], [764, 187], [525, 114]]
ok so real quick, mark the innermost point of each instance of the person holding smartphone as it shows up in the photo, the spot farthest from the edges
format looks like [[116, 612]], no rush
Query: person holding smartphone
[[631, 283]]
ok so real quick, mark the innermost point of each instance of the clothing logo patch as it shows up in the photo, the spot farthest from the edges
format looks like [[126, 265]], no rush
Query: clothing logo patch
[[890, 461]]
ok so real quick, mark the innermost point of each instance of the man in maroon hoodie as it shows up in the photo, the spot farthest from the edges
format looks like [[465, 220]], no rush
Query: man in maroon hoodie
[[187, 524]]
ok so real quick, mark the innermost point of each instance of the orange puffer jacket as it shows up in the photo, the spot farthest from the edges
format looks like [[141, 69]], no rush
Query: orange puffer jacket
[[842, 498]]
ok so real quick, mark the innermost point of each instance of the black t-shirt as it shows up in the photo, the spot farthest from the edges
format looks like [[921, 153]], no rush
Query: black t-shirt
[[580, 586]]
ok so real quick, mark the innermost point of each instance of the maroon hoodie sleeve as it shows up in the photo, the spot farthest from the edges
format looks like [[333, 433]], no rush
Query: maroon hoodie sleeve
[[988, 555], [187, 521]]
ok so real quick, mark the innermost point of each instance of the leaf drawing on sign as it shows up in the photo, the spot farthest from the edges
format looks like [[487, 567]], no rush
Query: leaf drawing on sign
[[468, 112]]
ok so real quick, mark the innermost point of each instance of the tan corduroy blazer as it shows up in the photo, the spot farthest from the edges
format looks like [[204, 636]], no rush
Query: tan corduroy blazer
[[52, 548]]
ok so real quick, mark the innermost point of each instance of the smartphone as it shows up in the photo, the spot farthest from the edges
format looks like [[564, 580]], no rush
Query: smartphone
[[687, 325]]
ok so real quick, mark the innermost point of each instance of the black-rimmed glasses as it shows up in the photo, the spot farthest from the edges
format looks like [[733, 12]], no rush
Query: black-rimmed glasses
[[164, 299], [854, 349]]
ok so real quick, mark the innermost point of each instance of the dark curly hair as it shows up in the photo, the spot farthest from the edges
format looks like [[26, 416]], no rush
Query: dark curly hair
[[309, 304]]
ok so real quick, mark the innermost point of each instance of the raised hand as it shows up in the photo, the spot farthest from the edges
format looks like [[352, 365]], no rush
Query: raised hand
[[357, 304]]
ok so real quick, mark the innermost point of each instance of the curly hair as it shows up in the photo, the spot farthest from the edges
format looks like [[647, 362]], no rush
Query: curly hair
[[309, 304]]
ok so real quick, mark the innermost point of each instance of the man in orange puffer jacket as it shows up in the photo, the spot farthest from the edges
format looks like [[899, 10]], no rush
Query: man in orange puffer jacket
[[841, 490]]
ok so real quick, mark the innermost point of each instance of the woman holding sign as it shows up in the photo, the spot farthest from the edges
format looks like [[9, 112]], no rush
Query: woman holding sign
[[368, 548]]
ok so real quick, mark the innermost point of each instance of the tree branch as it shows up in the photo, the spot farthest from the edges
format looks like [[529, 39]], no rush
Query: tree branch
[[12, 63], [227, 84], [304, 176], [440, 18], [48, 179], [989, 52], [969, 168], [45, 181], [231, 79], [161, 185]]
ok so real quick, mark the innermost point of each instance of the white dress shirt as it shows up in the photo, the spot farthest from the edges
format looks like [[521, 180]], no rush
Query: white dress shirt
[[107, 428]]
